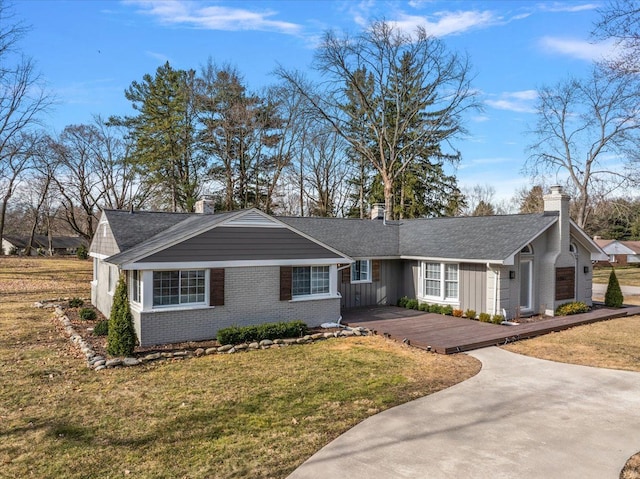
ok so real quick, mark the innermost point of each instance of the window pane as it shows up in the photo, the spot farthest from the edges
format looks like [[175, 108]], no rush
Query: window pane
[[451, 272], [319, 279], [192, 287], [166, 287], [451, 290], [432, 288], [301, 281], [432, 271]]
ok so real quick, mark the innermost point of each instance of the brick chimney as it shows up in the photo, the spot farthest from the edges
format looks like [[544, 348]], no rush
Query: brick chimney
[[205, 205], [377, 211]]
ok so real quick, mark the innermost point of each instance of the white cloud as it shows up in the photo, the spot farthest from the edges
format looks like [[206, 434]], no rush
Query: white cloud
[[480, 118], [445, 23], [571, 8], [517, 101], [158, 56], [580, 49], [193, 14]]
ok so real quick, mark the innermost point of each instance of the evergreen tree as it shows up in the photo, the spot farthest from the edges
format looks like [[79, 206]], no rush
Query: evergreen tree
[[121, 340], [613, 297], [164, 134]]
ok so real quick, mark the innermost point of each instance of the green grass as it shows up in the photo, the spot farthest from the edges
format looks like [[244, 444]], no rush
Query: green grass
[[257, 414], [627, 275]]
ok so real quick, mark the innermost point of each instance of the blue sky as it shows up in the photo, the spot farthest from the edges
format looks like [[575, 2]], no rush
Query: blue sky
[[89, 52]]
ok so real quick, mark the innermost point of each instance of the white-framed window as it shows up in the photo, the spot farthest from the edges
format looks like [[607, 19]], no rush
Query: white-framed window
[[440, 281], [135, 292], [309, 280], [361, 271], [179, 287]]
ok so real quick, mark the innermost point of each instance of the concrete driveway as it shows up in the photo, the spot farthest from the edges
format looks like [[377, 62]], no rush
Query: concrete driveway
[[518, 418]]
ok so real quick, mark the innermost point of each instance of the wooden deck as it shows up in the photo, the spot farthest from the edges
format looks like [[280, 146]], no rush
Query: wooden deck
[[447, 334]]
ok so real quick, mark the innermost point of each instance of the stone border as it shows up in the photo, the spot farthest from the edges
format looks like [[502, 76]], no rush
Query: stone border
[[98, 362]]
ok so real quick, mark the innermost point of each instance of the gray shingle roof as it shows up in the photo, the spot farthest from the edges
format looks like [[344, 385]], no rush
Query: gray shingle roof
[[353, 237], [472, 237], [188, 225], [485, 238], [130, 229]]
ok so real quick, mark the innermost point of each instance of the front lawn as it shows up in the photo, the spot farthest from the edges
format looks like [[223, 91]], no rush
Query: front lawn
[[257, 414], [627, 275]]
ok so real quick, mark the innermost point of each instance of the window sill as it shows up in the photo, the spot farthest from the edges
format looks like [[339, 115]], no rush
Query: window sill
[[366, 281], [176, 307], [314, 297], [435, 299]]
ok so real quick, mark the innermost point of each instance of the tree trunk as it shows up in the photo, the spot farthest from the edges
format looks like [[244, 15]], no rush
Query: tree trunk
[[388, 196]]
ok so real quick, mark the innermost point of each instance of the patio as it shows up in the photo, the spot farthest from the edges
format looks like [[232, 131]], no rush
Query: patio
[[448, 334]]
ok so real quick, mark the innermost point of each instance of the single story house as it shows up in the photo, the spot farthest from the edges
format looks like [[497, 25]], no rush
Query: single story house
[[619, 253], [191, 274], [61, 245]]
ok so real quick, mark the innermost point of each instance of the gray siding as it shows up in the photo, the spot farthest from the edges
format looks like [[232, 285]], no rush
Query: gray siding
[[103, 241], [382, 292], [251, 297], [410, 277], [473, 287], [101, 298], [240, 243]]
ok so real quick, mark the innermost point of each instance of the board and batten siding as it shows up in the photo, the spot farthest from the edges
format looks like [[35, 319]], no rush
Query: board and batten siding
[[472, 281], [243, 243], [383, 290]]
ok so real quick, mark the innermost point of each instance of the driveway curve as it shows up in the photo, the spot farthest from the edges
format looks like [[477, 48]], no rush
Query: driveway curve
[[519, 417]]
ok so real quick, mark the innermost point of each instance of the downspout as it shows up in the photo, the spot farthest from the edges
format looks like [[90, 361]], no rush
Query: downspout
[[496, 275]]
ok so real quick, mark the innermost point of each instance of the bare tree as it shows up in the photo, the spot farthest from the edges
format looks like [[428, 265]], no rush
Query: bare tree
[[16, 159], [401, 94], [22, 99], [478, 198], [78, 180], [588, 135], [620, 21]]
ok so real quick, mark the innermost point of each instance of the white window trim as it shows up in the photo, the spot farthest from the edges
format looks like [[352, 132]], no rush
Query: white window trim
[[441, 298], [369, 272], [333, 286], [527, 259], [140, 287]]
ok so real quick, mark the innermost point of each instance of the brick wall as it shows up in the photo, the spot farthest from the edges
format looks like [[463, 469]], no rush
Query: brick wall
[[251, 297]]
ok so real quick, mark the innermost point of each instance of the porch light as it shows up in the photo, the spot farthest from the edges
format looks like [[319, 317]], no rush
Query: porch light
[[512, 274], [586, 269]]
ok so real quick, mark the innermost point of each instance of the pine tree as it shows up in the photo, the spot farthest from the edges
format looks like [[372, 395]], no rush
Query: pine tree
[[121, 340], [613, 297]]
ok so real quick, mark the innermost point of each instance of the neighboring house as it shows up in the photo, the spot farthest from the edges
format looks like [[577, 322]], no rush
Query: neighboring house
[[620, 253], [192, 274], [61, 245]]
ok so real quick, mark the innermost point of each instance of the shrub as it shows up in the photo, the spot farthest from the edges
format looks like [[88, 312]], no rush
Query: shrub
[[402, 302], [102, 328], [470, 313], [121, 340], [613, 297], [76, 303], [497, 318], [412, 304], [434, 308], [448, 310], [485, 317], [423, 307], [457, 313], [82, 252], [88, 314], [247, 334], [568, 309]]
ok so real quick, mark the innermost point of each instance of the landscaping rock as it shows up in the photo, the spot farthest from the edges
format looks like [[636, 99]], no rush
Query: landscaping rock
[[329, 335], [317, 336], [180, 354], [241, 347], [130, 362], [112, 363], [166, 355], [211, 351], [100, 368], [289, 341], [100, 362], [199, 352], [266, 342], [231, 351], [152, 356], [225, 348], [254, 345]]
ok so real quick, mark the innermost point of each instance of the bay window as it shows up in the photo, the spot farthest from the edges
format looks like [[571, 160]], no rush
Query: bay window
[[178, 287], [309, 280]]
